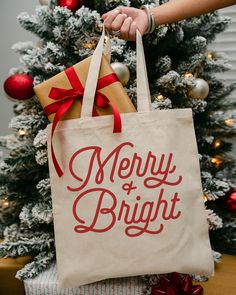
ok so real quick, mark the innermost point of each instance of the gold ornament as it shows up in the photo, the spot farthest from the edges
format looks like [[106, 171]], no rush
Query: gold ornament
[[200, 90], [44, 2], [122, 72], [231, 122]]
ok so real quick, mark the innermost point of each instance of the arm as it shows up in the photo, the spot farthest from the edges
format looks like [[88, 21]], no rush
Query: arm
[[128, 19], [176, 10]]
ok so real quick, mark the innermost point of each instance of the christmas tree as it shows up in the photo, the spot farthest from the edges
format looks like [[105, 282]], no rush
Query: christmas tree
[[181, 75]]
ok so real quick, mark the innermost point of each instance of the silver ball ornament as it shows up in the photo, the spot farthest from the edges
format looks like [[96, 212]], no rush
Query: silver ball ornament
[[200, 90], [122, 72], [44, 2]]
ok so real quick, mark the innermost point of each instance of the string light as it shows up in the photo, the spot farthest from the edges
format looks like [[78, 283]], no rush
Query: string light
[[160, 97], [188, 75], [89, 45], [230, 122], [22, 132], [5, 204], [217, 143], [217, 160], [210, 55], [205, 198]]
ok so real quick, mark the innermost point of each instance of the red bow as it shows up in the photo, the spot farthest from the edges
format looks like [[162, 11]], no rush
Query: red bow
[[66, 97], [176, 285]]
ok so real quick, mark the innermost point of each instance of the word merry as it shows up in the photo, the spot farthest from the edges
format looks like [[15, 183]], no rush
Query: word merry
[[138, 218], [153, 169]]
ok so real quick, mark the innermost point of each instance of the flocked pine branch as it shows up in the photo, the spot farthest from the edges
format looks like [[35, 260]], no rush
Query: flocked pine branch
[[67, 38]]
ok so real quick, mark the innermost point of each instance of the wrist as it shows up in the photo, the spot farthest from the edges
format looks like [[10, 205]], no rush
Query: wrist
[[151, 21]]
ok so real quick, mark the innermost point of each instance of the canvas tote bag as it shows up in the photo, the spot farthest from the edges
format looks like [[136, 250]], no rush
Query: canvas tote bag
[[128, 203]]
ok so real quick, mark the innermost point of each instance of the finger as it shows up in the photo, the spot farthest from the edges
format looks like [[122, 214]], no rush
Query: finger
[[132, 31], [125, 28], [105, 15], [118, 22], [110, 18]]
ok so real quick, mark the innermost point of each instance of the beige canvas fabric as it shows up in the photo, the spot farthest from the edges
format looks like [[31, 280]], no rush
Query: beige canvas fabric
[[128, 203]]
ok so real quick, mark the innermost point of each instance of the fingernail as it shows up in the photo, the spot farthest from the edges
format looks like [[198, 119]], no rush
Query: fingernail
[[116, 11]]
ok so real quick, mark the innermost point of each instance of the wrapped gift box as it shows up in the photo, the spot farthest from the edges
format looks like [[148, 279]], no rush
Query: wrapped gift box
[[71, 81], [46, 284]]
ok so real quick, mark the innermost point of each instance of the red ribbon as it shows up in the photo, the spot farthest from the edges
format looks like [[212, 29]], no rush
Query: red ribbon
[[66, 97], [176, 285]]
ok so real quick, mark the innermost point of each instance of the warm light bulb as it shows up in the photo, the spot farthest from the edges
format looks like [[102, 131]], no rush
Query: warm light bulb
[[22, 132], [5, 204], [217, 143], [106, 40], [230, 122], [216, 160], [160, 97], [188, 75], [209, 55], [88, 45], [205, 198]]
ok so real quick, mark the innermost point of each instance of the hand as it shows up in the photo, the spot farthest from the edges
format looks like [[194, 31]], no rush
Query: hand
[[126, 20]]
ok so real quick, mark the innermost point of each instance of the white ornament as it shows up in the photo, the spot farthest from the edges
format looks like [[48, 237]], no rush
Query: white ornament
[[200, 90], [121, 71], [44, 2]]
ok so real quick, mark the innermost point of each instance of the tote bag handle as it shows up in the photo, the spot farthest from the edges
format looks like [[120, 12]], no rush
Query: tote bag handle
[[143, 92]]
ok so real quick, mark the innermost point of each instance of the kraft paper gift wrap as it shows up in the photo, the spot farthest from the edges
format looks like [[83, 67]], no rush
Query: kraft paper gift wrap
[[127, 202], [113, 90]]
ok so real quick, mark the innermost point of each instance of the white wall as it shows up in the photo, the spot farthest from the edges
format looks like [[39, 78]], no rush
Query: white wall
[[226, 42], [10, 33]]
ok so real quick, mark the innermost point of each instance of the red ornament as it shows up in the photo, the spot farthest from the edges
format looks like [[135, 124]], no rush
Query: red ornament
[[176, 285], [231, 201], [19, 86], [73, 5]]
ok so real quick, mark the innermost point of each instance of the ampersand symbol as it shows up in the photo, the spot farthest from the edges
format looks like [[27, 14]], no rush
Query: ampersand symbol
[[128, 187]]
